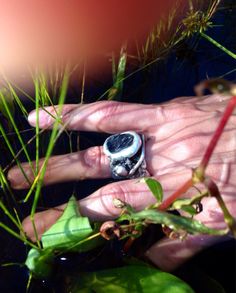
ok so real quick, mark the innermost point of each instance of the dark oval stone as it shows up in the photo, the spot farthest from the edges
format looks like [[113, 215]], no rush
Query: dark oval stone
[[118, 142]]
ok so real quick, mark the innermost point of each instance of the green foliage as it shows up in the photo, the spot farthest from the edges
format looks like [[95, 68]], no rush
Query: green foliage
[[69, 229], [155, 187], [173, 29], [115, 91], [189, 205], [37, 184], [189, 209], [40, 262], [176, 223], [194, 22], [7, 104], [133, 278], [70, 233], [218, 45], [10, 115]]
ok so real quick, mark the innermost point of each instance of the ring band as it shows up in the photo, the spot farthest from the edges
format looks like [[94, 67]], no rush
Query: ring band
[[126, 153]]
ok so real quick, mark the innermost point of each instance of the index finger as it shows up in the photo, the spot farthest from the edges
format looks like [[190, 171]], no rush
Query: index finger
[[104, 116]]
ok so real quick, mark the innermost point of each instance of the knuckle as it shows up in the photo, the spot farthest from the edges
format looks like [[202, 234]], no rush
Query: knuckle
[[177, 110], [93, 157], [160, 114]]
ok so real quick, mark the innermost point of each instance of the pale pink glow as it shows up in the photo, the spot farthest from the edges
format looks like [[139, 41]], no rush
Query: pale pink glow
[[42, 32]]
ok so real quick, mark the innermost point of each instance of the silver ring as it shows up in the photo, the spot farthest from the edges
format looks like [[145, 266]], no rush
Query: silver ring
[[126, 153]]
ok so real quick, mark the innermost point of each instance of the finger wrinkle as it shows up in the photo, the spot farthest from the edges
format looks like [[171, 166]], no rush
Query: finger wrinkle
[[86, 116], [100, 205], [109, 114], [120, 115]]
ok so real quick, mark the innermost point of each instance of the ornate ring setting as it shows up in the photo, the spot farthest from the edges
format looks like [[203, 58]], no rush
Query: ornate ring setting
[[126, 152]]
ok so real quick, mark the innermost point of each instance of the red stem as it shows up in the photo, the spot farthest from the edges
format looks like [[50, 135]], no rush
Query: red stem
[[214, 192], [228, 111], [165, 204]]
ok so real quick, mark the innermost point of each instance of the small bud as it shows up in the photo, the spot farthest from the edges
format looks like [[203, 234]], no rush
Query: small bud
[[110, 230], [118, 203]]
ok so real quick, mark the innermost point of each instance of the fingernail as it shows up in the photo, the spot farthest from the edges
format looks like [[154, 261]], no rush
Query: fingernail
[[44, 118], [12, 177], [32, 118], [17, 179]]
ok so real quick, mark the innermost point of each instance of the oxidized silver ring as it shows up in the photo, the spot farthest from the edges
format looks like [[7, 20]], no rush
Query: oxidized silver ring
[[126, 152]]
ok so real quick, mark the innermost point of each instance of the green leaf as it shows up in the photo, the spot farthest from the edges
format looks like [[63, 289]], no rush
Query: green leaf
[[68, 229], [189, 209], [187, 204], [133, 278], [179, 203], [176, 222], [155, 187], [118, 77], [6, 100], [40, 262]]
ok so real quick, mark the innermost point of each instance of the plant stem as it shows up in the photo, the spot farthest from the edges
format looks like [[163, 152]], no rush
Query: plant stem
[[214, 192], [13, 233], [11, 118], [228, 111], [165, 204], [215, 43], [7, 142], [37, 126], [9, 215], [52, 140]]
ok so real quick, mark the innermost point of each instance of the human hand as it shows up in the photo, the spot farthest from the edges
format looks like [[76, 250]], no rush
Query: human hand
[[177, 134]]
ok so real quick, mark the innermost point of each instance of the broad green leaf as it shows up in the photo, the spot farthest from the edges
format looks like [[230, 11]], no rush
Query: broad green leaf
[[155, 187], [127, 279], [68, 229], [40, 262], [176, 222]]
